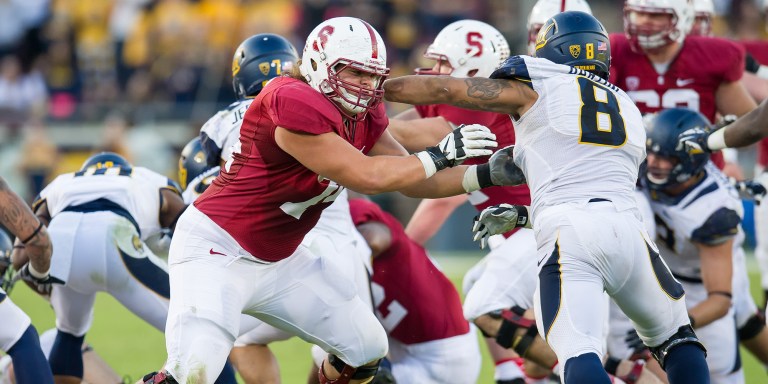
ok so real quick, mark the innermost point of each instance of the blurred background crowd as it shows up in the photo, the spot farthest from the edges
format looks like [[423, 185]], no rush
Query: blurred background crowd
[[139, 77]]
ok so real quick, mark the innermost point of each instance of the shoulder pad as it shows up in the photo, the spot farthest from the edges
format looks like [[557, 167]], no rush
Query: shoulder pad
[[722, 225], [514, 68]]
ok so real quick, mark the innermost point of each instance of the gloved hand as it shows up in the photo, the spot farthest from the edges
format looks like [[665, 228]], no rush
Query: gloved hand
[[44, 285], [464, 142], [503, 169], [694, 141], [498, 219], [755, 188]]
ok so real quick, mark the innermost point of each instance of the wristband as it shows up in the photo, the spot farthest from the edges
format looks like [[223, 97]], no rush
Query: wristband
[[32, 236], [762, 72], [716, 140], [426, 161], [522, 217], [470, 182], [36, 274]]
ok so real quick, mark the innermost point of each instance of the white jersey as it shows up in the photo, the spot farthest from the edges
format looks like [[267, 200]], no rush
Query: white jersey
[[710, 213], [583, 139], [198, 185], [223, 130], [136, 190]]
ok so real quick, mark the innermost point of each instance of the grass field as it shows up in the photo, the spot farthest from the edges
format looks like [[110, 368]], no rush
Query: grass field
[[133, 348]]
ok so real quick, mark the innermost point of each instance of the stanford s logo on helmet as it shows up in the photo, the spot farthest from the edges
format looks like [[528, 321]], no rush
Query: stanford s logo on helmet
[[577, 39], [471, 47], [259, 59], [662, 139], [345, 43]]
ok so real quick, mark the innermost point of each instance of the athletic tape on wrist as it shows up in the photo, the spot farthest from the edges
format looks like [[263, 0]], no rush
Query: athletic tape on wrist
[[716, 140], [426, 161], [470, 181]]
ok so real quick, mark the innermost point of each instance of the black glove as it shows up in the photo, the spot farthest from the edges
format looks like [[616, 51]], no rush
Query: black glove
[[756, 188], [500, 170], [43, 285]]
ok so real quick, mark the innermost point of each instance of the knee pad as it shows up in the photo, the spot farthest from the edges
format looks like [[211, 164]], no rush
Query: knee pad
[[752, 327], [512, 320], [684, 335], [159, 378], [347, 372]]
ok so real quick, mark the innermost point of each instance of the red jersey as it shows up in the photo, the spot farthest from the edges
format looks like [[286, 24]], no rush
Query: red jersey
[[758, 49], [691, 80], [268, 201], [762, 153], [501, 126], [415, 302]]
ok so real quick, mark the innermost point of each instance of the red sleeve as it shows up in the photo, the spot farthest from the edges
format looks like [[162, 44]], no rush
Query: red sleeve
[[618, 42], [733, 58], [762, 153], [298, 107], [363, 211], [423, 110]]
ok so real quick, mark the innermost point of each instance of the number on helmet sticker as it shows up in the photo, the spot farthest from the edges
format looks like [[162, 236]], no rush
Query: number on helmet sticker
[[601, 122]]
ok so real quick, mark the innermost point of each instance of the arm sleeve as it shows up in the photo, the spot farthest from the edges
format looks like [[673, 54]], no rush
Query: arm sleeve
[[302, 109], [722, 225]]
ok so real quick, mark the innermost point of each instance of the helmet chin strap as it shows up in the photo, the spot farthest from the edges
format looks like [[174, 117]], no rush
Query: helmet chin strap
[[657, 180]]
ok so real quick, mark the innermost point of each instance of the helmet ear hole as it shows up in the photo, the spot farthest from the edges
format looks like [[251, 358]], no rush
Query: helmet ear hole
[[314, 64], [472, 73]]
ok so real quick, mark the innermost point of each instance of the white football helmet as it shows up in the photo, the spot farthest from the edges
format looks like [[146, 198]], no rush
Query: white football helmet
[[702, 23], [646, 38], [471, 47], [340, 43], [544, 10]]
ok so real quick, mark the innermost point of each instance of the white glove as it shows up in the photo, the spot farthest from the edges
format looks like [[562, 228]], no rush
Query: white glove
[[498, 219], [464, 142]]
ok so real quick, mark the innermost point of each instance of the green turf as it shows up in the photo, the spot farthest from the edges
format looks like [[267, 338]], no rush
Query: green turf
[[133, 348]]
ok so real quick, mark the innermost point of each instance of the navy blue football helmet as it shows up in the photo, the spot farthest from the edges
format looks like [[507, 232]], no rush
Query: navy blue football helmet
[[106, 160], [192, 163], [663, 133], [577, 39], [258, 59]]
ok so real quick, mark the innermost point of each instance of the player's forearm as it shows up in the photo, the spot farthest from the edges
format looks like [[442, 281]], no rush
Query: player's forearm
[[747, 130], [379, 174], [430, 216], [448, 182], [419, 90], [709, 310], [39, 251]]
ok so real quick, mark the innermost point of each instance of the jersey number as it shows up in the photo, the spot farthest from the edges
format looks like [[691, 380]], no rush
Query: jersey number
[[672, 98], [600, 120], [395, 311], [330, 194]]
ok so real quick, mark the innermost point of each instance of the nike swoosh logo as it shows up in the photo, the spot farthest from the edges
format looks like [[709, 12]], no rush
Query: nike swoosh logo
[[683, 83], [538, 263], [216, 253]]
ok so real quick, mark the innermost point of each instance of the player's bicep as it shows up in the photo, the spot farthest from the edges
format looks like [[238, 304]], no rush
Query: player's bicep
[[732, 98], [716, 266], [326, 154]]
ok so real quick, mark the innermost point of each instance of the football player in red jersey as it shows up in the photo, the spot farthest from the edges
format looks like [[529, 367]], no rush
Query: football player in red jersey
[[303, 140], [660, 66], [417, 304]]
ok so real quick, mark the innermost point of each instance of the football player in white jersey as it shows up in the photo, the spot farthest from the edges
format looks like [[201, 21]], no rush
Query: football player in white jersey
[[580, 142], [698, 215], [257, 60], [18, 337], [98, 218]]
